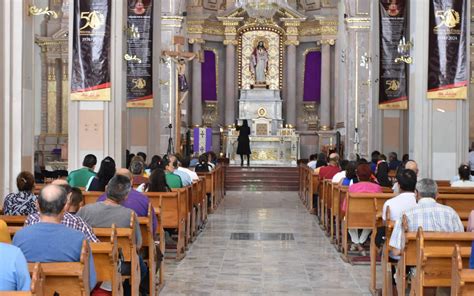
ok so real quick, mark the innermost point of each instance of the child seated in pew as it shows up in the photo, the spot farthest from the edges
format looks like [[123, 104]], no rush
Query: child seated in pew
[[14, 274], [76, 200]]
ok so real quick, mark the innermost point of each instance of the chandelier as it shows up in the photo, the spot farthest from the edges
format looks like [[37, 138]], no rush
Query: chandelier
[[260, 8]]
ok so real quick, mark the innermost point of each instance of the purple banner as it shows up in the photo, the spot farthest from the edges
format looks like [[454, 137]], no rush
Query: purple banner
[[209, 76], [202, 140], [312, 77]]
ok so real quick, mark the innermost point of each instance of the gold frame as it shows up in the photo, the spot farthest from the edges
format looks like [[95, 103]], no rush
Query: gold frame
[[272, 27]]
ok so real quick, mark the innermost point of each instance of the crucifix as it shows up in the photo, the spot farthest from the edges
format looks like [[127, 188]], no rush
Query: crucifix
[[179, 58]]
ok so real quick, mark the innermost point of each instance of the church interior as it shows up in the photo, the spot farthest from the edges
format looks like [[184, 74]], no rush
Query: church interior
[[236, 147]]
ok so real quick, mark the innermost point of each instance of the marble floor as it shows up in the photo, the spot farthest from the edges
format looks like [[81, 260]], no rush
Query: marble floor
[[263, 264]]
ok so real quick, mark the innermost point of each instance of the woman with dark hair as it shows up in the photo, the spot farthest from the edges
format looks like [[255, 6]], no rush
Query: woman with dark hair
[[351, 176], [22, 203], [322, 160], [243, 148], [464, 172], [106, 172], [203, 165], [381, 173], [154, 163], [157, 181]]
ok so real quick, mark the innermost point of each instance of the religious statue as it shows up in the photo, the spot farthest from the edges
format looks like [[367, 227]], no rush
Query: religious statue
[[183, 85], [259, 63]]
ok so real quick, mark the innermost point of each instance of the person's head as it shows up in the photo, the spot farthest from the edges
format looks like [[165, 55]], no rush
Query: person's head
[[426, 188], [245, 122], [382, 157], [212, 156], [124, 172], [170, 166], [137, 166], [130, 156], [363, 172], [405, 157], [118, 188], [344, 164], [185, 162], [351, 170], [89, 161], [63, 184], [155, 162], [313, 157], [322, 157], [106, 170], [25, 181], [406, 179], [375, 156], [76, 200], [203, 158], [392, 156], [464, 172], [173, 158], [142, 155], [412, 165], [52, 200], [334, 158], [157, 181]]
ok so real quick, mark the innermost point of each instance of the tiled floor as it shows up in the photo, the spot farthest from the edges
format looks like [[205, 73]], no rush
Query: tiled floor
[[307, 265]]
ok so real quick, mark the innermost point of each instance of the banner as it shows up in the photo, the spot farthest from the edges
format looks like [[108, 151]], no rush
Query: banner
[[202, 140], [447, 63], [139, 54], [393, 92], [90, 80]]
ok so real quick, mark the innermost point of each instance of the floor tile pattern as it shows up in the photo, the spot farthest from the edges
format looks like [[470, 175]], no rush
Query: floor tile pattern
[[307, 265]]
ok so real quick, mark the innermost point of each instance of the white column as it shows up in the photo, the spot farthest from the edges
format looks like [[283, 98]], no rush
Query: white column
[[291, 85], [325, 108], [11, 73], [229, 83], [196, 87]]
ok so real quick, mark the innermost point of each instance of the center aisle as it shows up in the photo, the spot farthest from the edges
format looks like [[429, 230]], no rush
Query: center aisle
[[226, 260]]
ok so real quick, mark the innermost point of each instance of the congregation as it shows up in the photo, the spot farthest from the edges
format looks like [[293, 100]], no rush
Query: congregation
[[60, 225], [402, 204]]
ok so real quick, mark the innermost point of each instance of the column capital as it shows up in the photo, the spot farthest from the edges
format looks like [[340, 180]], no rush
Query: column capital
[[230, 42], [358, 23], [196, 41], [293, 42], [328, 42]]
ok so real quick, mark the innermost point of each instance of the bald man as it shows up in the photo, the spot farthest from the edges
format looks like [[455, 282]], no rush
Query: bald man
[[327, 172], [135, 201], [409, 165], [50, 240]]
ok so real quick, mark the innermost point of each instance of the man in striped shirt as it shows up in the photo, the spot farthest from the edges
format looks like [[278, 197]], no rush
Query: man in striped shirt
[[428, 214]]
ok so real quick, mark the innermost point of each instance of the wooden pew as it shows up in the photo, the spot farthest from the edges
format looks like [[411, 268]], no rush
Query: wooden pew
[[14, 220], [203, 197], [37, 282], [126, 241], [360, 213], [434, 257], [171, 206], [66, 278], [148, 249], [91, 196], [462, 280], [336, 214], [210, 188], [460, 202], [105, 256], [13, 229], [185, 197]]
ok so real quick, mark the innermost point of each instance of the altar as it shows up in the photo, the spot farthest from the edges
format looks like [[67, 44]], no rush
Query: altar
[[267, 150]]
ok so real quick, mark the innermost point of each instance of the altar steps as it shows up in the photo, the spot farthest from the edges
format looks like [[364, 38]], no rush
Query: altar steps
[[261, 178]]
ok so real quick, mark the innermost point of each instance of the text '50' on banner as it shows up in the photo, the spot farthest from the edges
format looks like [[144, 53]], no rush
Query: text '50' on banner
[[447, 68], [90, 79], [139, 54]]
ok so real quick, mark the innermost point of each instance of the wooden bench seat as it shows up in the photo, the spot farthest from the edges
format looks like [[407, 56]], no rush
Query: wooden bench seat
[[106, 263], [462, 279], [14, 220], [91, 196], [126, 241]]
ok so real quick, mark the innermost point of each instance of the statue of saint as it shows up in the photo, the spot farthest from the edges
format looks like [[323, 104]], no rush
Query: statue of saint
[[259, 63]]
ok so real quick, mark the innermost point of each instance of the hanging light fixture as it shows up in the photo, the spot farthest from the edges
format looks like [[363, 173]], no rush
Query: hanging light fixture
[[261, 8]]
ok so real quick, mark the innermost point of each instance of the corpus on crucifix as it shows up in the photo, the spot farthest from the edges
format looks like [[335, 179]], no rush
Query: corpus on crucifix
[[179, 58]]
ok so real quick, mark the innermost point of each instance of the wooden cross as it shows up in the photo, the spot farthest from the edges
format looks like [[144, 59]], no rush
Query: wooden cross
[[179, 57]]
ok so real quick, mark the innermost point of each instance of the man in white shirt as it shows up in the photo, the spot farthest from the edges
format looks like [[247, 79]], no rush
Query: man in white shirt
[[410, 165], [342, 174], [406, 199], [312, 161], [183, 165]]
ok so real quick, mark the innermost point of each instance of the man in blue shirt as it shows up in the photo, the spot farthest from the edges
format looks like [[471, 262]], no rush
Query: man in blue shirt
[[14, 275], [49, 240]]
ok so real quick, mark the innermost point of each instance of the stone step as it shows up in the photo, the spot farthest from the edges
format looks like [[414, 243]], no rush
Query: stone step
[[262, 178]]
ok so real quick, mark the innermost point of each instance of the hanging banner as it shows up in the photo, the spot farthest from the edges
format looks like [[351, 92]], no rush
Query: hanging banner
[[202, 140], [447, 63], [90, 80], [139, 54], [393, 91]]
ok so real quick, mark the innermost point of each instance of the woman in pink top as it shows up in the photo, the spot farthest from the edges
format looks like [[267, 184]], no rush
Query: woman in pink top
[[363, 186]]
